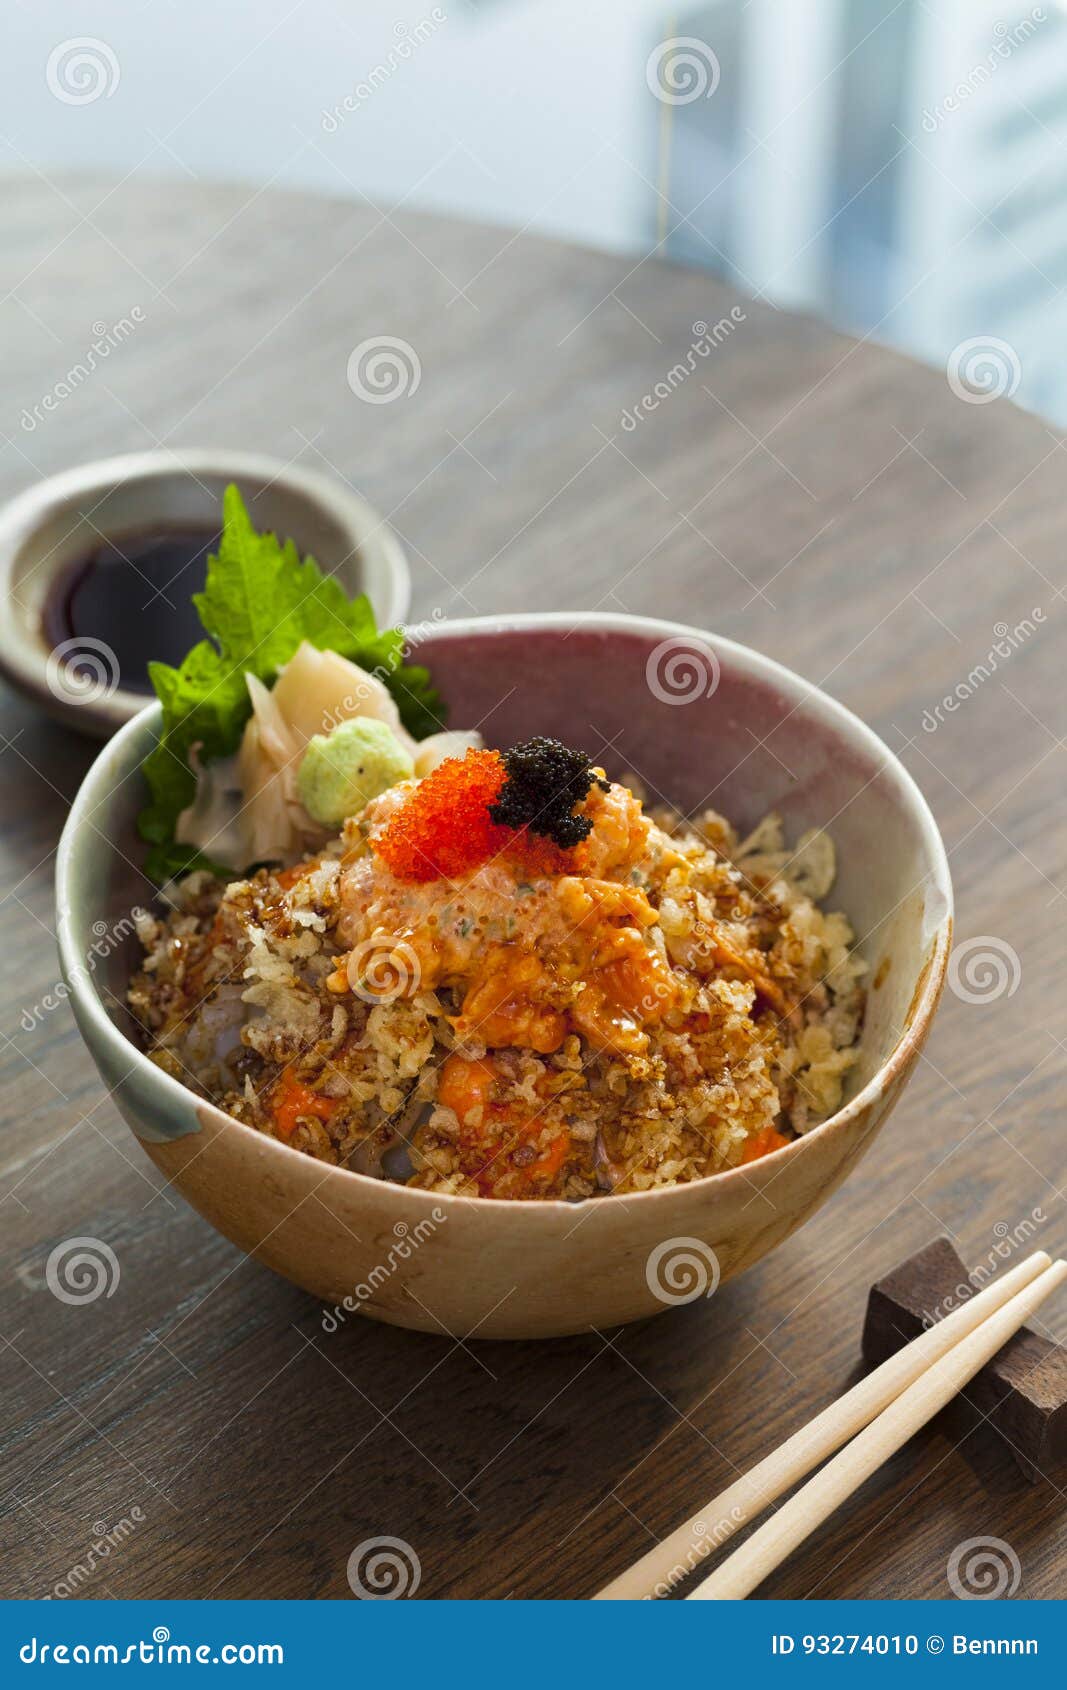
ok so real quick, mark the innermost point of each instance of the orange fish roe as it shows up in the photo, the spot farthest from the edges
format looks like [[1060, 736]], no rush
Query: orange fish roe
[[445, 829], [291, 1099]]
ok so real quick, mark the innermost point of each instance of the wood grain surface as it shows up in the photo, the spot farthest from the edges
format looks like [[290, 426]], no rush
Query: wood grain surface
[[824, 500]]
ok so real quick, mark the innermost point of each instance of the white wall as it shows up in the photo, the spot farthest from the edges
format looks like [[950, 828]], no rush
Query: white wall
[[514, 111]]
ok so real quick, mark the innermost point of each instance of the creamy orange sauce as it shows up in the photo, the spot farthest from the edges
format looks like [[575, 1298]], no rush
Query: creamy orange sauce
[[535, 958]]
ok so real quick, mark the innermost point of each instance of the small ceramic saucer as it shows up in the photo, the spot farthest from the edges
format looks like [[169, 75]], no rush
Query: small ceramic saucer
[[45, 530]]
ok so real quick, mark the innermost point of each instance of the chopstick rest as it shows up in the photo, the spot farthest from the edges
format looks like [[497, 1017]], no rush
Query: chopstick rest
[[748, 1566], [1023, 1390], [677, 1555]]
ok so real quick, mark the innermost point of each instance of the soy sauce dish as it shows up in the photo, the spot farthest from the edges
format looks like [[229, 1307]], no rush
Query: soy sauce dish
[[98, 566], [497, 987]]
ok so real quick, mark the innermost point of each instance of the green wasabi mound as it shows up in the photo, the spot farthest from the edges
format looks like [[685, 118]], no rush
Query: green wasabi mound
[[344, 769]]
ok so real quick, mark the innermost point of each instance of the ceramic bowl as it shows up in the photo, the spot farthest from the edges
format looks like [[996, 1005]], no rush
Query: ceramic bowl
[[702, 721], [55, 522]]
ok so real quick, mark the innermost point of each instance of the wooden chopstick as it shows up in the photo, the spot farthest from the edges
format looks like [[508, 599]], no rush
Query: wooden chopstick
[[748, 1566], [662, 1568]]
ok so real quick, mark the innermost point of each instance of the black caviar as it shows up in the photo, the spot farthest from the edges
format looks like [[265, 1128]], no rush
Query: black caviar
[[545, 780]]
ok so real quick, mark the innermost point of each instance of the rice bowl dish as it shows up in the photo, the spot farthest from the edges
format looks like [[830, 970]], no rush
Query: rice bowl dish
[[477, 971], [494, 1014], [532, 1269]]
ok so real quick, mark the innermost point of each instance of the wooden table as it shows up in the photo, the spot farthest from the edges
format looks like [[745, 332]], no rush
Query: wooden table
[[827, 501]]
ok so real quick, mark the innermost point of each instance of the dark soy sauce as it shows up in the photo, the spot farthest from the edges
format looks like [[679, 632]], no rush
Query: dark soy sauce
[[135, 594]]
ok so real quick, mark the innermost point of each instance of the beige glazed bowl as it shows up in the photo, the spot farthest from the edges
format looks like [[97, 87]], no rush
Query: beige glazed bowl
[[701, 721]]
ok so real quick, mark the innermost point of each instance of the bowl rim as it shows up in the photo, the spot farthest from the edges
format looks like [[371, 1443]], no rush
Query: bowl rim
[[925, 997], [26, 664]]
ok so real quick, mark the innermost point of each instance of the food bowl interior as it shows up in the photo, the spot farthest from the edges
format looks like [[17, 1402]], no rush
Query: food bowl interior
[[636, 698], [762, 740]]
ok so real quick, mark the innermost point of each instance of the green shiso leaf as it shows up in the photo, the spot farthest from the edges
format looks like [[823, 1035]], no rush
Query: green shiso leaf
[[260, 600]]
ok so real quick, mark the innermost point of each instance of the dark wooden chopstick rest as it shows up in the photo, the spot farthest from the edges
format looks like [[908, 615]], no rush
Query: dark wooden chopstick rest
[[1023, 1390]]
